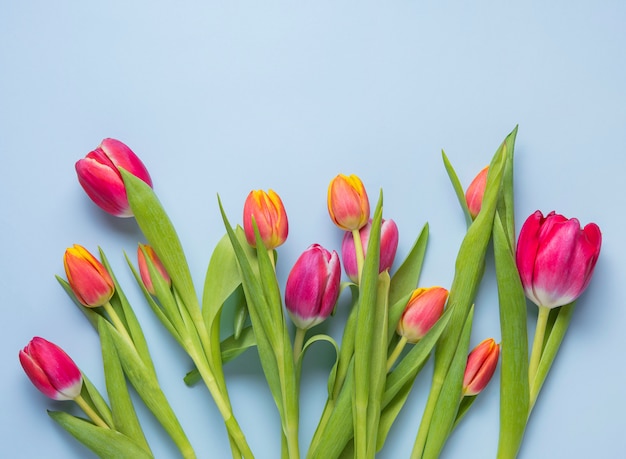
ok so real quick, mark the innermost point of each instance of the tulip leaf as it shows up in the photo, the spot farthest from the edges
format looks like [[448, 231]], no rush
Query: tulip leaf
[[405, 279], [551, 348], [167, 312], [149, 390], [448, 403], [123, 411], [128, 316], [106, 443], [366, 354], [469, 269], [458, 188], [158, 229], [94, 399], [90, 313], [308, 344], [395, 313], [400, 381], [514, 387]]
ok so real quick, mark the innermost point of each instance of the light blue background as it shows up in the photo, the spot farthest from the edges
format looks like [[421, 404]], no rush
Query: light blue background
[[228, 96]]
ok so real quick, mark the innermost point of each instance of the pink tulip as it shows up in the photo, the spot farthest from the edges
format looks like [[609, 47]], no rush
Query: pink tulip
[[556, 258], [144, 272], [270, 218], [348, 204], [313, 286], [88, 278], [99, 176], [475, 192], [389, 237], [51, 370], [422, 311], [481, 365]]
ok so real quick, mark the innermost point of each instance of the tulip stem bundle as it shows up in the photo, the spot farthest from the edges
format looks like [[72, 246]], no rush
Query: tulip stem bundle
[[392, 328]]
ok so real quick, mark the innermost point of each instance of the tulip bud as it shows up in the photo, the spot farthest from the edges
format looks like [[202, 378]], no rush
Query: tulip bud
[[51, 370], [556, 258], [99, 176], [348, 204], [313, 286], [422, 311], [481, 365], [144, 272], [88, 278], [475, 192], [388, 245], [270, 218]]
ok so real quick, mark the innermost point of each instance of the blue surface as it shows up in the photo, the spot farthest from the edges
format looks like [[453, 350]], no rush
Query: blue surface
[[230, 96]]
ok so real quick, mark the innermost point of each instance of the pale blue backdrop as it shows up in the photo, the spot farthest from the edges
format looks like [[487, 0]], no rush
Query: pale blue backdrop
[[227, 96]]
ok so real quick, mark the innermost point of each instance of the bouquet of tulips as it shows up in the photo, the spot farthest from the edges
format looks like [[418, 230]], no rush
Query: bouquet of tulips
[[394, 325]]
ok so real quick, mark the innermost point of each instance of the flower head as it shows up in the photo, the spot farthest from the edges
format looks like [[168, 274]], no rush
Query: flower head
[[481, 365], [389, 237], [348, 204], [88, 278], [556, 258], [51, 370], [268, 212], [145, 250], [313, 286], [422, 311], [101, 179], [475, 192]]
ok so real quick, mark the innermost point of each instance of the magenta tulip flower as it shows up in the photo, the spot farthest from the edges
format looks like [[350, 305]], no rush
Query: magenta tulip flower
[[101, 179], [51, 370], [389, 237], [556, 258], [313, 286]]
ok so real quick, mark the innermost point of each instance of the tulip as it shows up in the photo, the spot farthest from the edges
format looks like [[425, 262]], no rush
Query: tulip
[[388, 245], [101, 179], [481, 365], [268, 212], [51, 370], [88, 278], [475, 192], [144, 271], [556, 258], [422, 311], [313, 286], [348, 204]]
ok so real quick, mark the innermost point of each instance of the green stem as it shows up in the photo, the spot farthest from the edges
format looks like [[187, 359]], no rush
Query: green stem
[[298, 342], [89, 411], [290, 412], [117, 322], [396, 352], [535, 355], [358, 248], [429, 410], [223, 406]]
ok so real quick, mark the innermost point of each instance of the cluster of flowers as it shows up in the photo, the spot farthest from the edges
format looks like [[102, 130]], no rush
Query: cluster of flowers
[[552, 265]]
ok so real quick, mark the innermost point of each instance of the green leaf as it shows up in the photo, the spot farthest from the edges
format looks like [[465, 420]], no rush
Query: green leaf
[[123, 411], [149, 390], [458, 188], [405, 279], [158, 229], [514, 387], [364, 351], [94, 399], [128, 317], [308, 344], [106, 443], [90, 313], [469, 269], [448, 403], [551, 348]]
